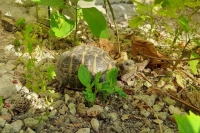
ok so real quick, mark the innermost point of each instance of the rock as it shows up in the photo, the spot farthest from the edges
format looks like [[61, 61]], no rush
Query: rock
[[162, 115], [169, 101], [175, 110], [66, 98], [158, 121], [125, 106], [7, 129], [149, 99], [95, 124], [81, 109], [158, 107], [10, 67], [17, 125], [145, 113], [125, 117], [7, 88], [2, 122], [56, 104], [63, 110], [31, 122], [29, 130], [4, 111], [113, 116], [52, 114], [83, 130], [94, 110], [72, 108]]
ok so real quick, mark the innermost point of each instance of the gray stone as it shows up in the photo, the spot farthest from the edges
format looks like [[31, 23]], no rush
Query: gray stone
[[8, 129], [56, 104], [52, 114], [4, 111], [83, 130], [113, 116], [7, 88], [29, 130], [72, 108], [31, 122], [17, 125], [66, 98], [95, 124], [2, 122]]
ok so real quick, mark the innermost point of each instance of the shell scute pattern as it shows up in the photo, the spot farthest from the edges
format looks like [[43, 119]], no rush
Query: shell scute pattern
[[92, 57]]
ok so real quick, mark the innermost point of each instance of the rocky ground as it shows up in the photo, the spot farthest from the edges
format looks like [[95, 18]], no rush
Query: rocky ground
[[145, 109], [25, 111]]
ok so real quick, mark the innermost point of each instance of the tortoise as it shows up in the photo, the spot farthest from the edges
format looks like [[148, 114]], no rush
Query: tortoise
[[92, 57], [8, 22]]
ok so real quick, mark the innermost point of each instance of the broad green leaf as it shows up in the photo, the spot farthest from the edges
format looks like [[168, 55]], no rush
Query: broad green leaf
[[176, 3], [135, 22], [51, 73], [111, 76], [84, 75], [96, 79], [106, 89], [60, 25], [96, 22], [53, 3], [119, 91], [188, 123], [193, 63], [183, 22], [89, 96]]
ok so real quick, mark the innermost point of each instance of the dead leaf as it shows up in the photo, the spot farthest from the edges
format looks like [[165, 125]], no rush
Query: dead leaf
[[107, 46], [146, 49]]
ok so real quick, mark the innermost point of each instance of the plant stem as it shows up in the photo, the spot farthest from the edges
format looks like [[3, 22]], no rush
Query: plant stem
[[114, 20], [76, 23]]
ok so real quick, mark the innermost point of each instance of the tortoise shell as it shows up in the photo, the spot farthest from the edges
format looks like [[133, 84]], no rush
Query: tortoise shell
[[8, 23], [92, 57]]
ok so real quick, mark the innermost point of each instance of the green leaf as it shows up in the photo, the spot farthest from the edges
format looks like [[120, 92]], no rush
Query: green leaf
[[119, 91], [60, 25], [53, 3], [96, 22], [84, 75], [135, 22], [193, 63], [192, 4], [96, 79], [106, 88], [111, 76], [188, 123], [88, 0], [1, 101], [183, 22], [89, 96], [197, 41], [51, 73]]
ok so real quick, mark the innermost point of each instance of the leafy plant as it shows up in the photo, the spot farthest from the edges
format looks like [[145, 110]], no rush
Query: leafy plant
[[94, 87], [188, 123], [36, 79], [160, 15], [62, 26], [21, 23]]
